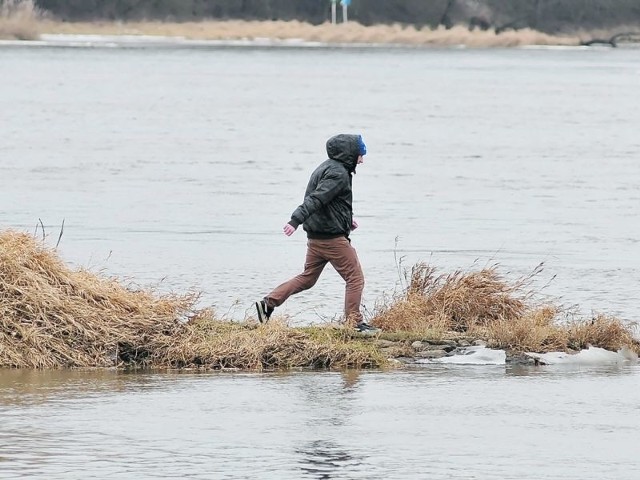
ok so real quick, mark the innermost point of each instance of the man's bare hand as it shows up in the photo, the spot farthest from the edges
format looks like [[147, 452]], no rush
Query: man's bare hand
[[288, 229], [354, 224]]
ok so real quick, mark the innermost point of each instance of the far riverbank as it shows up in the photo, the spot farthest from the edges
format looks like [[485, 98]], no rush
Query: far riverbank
[[32, 25]]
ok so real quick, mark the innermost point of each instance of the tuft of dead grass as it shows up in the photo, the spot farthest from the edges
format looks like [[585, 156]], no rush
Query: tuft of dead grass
[[52, 316], [452, 302], [534, 331], [211, 343], [601, 331], [485, 305], [541, 330], [20, 20]]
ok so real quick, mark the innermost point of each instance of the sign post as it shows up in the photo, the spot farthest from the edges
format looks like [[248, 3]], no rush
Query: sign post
[[333, 11], [345, 5]]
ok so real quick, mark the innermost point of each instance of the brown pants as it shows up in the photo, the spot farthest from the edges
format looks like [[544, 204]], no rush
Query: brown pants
[[343, 257]]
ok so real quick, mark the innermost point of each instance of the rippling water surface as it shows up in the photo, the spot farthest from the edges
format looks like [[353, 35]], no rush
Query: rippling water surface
[[178, 167], [436, 423], [181, 165]]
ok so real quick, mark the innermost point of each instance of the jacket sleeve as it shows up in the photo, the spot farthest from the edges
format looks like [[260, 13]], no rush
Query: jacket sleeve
[[329, 187]]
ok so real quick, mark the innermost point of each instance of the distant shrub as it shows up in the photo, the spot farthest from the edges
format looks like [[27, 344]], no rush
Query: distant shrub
[[19, 19]]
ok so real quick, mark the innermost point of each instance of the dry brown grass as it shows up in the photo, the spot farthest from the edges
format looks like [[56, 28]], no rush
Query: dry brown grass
[[451, 302], [487, 306], [52, 316], [211, 343], [601, 331], [535, 331], [541, 331], [19, 20], [350, 33]]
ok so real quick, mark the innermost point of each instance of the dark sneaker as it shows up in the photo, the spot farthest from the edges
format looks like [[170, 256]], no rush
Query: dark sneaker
[[264, 311], [364, 327]]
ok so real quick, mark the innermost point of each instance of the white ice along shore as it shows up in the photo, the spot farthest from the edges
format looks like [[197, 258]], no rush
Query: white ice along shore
[[487, 356], [146, 41]]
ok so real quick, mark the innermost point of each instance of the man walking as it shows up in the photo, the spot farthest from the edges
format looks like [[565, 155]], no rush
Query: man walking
[[326, 214]]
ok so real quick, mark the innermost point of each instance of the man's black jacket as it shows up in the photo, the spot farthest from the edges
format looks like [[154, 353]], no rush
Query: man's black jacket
[[327, 209]]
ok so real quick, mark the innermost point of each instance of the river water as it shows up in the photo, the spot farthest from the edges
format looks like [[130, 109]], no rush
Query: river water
[[177, 167]]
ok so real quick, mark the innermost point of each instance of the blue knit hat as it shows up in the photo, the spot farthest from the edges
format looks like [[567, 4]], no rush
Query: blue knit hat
[[363, 147]]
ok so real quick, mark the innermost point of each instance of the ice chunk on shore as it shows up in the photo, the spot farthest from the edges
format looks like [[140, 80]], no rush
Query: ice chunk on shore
[[486, 356], [473, 356], [590, 356]]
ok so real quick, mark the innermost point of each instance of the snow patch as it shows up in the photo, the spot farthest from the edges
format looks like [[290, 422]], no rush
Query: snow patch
[[473, 356], [590, 356], [481, 355]]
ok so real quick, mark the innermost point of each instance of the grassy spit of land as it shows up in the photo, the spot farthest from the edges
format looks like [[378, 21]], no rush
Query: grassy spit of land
[[52, 316], [350, 33], [22, 20]]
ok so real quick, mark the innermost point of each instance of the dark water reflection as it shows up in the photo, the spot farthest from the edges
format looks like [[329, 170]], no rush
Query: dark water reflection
[[326, 460], [33, 387]]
